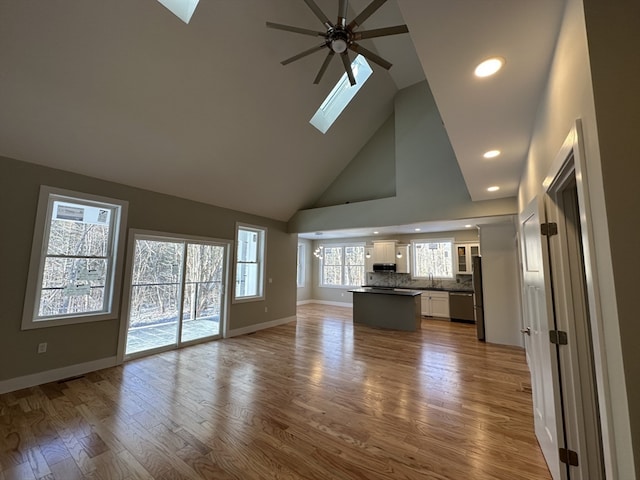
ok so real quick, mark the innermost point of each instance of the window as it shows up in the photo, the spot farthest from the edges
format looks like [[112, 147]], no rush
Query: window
[[433, 258], [75, 263], [183, 9], [250, 248], [342, 265], [301, 260], [341, 95]]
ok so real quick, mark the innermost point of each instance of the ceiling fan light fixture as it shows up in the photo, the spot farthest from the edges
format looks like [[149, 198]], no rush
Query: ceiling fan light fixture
[[339, 45], [489, 67]]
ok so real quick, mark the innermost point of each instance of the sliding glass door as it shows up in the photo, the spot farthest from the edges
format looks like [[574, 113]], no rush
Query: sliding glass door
[[203, 290], [177, 292]]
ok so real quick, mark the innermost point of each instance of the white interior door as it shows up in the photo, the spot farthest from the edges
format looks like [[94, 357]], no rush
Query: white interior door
[[541, 352]]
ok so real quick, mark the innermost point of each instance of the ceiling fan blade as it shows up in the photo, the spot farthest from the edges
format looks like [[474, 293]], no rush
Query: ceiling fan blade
[[342, 13], [366, 13], [289, 28], [347, 67], [381, 32], [319, 13], [324, 66], [368, 54], [303, 54]]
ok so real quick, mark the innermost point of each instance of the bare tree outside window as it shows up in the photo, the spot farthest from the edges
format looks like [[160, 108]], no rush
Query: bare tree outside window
[[343, 265], [77, 264], [433, 258]]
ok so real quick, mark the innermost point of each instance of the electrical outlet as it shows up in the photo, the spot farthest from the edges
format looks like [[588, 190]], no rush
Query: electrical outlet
[[266, 309], [42, 347]]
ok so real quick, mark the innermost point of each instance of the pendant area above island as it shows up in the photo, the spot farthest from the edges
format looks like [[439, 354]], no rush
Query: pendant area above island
[[391, 308]]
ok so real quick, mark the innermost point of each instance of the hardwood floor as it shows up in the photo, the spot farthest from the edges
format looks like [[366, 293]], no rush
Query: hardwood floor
[[316, 399]]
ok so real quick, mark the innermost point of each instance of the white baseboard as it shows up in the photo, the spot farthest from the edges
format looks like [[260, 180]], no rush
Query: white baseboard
[[259, 326], [56, 374], [305, 302], [333, 304]]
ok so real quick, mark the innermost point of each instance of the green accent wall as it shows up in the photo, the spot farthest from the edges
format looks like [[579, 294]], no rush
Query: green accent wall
[[429, 184], [370, 175]]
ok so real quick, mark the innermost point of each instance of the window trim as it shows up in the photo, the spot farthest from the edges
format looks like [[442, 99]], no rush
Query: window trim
[[415, 257], [262, 262], [343, 245], [47, 196]]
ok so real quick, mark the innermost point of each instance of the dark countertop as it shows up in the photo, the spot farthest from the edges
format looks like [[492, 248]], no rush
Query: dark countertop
[[437, 289], [388, 291]]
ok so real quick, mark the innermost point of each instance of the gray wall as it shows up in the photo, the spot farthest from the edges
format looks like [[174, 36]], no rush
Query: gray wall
[[429, 184], [614, 27], [501, 284], [72, 344], [593, 77], [370, 175]]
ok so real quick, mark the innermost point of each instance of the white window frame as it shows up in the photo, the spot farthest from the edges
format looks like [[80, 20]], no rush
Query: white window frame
[[261, 262], [301, 263], [343, 246], [47, 197], [414, 258]]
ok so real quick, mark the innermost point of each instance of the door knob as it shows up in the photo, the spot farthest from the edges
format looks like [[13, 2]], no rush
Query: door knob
[[526, 331]]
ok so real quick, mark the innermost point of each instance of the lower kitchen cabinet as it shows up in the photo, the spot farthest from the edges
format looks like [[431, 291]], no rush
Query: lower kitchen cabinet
[[435, 304]]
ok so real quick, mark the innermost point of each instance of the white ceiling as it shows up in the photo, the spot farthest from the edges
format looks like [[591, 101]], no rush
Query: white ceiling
[[126, 92]]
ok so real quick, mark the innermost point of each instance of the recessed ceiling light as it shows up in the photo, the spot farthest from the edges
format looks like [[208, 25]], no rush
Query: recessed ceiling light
[[418, 229], [489, 67], [468, 226], [493, 189], [491, 154], [375, 233]]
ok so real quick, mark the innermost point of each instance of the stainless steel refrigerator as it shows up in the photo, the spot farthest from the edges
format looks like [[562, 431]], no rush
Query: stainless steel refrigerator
[[478, 301]]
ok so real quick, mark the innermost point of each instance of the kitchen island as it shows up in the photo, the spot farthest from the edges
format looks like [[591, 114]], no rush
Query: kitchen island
[[393, 308]]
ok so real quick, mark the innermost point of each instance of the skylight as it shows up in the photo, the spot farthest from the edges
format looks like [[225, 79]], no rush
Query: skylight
[[183, 9], [341, 95]]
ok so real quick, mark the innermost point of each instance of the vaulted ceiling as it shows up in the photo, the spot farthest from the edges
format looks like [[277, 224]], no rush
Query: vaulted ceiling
[[125, 91]]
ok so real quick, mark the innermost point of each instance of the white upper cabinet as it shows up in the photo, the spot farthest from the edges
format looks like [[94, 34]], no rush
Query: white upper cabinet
[[384, 252], [464, 256]]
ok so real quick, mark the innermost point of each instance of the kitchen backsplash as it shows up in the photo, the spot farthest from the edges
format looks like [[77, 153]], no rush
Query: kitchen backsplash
[[403, 280]]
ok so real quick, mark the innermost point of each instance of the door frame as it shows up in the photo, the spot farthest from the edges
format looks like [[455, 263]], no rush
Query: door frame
[[570, 162], [126, 295]]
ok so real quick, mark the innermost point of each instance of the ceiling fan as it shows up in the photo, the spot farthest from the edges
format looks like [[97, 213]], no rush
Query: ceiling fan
[[341, 37]]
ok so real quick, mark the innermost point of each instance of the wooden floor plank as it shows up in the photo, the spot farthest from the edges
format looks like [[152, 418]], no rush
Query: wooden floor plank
[[314, 399]]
